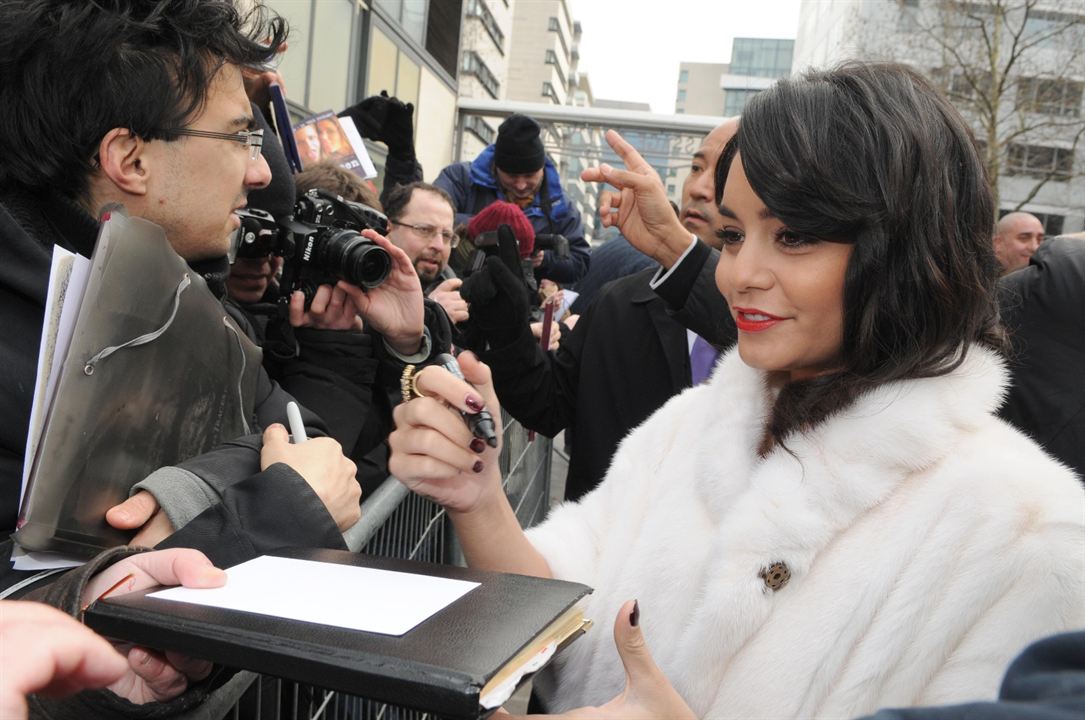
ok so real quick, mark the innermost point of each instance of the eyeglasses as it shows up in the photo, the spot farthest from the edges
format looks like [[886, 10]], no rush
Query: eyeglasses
[[430, 231], [253, 138]]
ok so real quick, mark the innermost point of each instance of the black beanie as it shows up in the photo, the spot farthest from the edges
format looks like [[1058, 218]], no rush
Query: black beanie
[[519, 149], [278, 197]]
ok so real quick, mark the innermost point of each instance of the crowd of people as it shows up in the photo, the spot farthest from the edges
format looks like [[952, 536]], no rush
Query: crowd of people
[[825, 417]]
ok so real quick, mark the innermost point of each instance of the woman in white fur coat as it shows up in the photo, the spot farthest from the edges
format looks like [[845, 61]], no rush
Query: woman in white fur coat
[[835, 522]]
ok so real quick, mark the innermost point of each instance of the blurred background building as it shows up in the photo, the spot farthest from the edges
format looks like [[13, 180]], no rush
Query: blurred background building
[[1014, 68], [466, 64]]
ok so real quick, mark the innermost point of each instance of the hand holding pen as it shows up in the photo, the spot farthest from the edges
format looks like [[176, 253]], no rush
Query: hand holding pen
[[319, 461], [481, 423], [447, 431]]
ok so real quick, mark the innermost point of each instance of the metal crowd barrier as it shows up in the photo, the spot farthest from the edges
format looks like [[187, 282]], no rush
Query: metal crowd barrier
[[395, 523]]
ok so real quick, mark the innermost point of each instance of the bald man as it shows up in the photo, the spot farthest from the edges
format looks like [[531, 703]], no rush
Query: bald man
[[1017, 237]]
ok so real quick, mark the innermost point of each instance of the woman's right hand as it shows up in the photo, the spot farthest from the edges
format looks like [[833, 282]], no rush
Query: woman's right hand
[[433, 451], [640, 208]]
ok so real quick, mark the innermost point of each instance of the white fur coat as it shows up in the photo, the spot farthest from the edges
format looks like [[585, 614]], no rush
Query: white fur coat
[[928, 543]]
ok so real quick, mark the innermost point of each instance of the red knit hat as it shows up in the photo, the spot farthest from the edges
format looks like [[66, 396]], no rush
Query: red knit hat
[[500, 213]]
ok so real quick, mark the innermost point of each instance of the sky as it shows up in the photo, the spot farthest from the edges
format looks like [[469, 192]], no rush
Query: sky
[[631, 49]]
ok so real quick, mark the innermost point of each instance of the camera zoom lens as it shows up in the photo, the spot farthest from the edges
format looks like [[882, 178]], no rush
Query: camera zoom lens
[[356, 259]]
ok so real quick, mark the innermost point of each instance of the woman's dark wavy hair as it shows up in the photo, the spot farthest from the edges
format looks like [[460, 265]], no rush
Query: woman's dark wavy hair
[[873, 155], [72, 70]]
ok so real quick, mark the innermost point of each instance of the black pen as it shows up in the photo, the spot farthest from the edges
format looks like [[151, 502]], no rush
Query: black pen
[[481, 423]]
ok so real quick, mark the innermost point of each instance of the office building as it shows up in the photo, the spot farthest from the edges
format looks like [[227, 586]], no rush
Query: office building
[[341, 51], [1031, 106]]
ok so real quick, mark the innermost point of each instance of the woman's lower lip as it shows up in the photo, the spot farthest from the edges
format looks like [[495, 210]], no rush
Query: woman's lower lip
[[754, 325]]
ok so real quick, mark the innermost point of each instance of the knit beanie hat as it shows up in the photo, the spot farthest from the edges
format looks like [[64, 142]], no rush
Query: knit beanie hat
[[500, 213], [519, 149]]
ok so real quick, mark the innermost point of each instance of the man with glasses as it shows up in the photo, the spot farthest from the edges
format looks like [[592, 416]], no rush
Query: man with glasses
[[420, 222], [142, 103]]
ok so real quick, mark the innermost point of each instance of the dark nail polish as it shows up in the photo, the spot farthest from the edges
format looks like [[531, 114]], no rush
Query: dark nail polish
[[474, 403], [478, 466], [634, 617], [478, 445]]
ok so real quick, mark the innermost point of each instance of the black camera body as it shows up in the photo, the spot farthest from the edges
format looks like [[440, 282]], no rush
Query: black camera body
[[320, 244], [558, 244]]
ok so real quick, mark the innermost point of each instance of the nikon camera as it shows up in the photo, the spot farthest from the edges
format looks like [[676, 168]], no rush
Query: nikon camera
[[320, 245]]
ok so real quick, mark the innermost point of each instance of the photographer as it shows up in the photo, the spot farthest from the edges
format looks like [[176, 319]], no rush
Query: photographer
[[333, 357]]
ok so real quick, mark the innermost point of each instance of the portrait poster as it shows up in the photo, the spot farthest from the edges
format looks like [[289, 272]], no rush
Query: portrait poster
[[322, 137]]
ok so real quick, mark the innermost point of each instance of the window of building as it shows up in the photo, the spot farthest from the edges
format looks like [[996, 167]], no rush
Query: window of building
[[683, 77], [968, 87], [480, 129], [735, 100], [478, 9], [1040, 161], [410, 15], [548, 91], [1052, 223], [443, 33], [552, 59], [433, 25], [555, 27], [473, 65], [682, 95], [1046, 28], [759, 57], [1050, 96]]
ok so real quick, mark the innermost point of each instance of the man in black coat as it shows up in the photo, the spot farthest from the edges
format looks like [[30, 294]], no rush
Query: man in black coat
[[628, 354], [1041, 306]]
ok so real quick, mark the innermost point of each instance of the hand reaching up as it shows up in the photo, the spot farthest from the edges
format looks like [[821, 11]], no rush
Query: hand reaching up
[[640, 208]]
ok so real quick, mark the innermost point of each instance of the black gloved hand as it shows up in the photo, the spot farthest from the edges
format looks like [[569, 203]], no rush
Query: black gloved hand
[[498, 304], [385, 119]]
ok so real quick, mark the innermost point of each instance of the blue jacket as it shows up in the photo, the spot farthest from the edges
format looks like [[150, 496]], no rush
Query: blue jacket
[[473, 186]]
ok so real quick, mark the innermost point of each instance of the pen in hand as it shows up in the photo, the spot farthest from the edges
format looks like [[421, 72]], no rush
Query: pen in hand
[[297, 426], [480, 423]]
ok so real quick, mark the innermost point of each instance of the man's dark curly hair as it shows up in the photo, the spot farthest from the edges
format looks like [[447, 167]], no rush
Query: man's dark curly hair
[[72, 70]]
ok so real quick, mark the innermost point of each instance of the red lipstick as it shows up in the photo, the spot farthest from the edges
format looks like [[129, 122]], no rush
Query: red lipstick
[[754, 320]]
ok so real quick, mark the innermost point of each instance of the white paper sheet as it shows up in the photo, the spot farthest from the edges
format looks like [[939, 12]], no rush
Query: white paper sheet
[[68, 277], [26, 560], [379, 601]]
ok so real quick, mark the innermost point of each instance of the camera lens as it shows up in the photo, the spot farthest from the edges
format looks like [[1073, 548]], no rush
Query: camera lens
[[356, 259]]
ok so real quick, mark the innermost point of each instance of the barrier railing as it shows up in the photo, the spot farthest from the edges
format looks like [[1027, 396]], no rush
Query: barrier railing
[[395, 523]]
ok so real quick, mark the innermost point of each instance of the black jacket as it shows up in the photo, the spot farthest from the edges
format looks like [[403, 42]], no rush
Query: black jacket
[[258, 511], [626, 356], [1042, 309], [348, 378]]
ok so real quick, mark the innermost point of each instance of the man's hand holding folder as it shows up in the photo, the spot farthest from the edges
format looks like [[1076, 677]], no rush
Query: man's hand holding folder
[[46, 651], [437, 638]]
